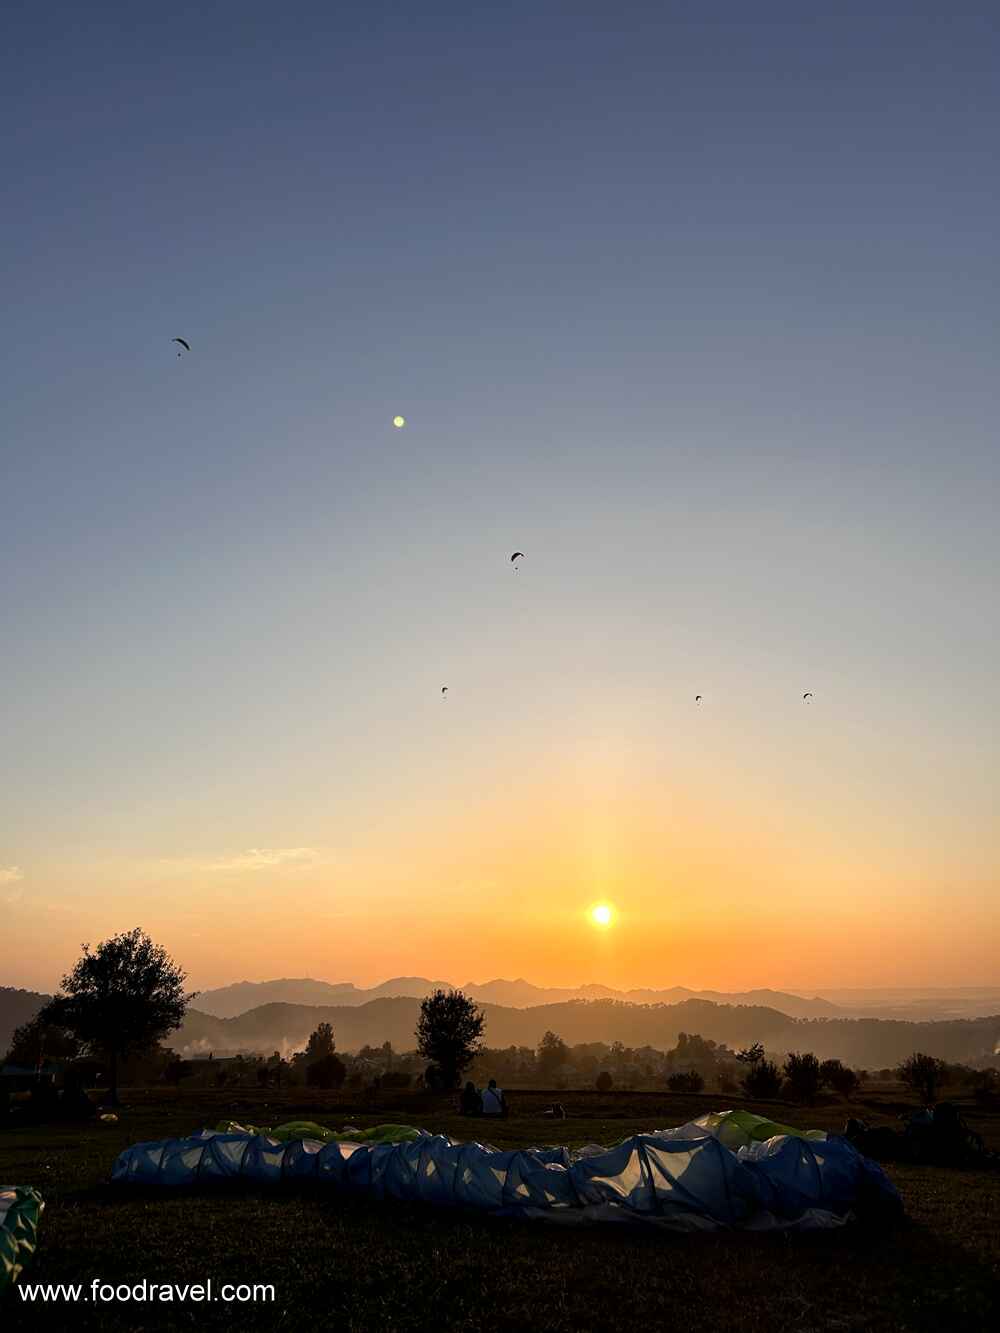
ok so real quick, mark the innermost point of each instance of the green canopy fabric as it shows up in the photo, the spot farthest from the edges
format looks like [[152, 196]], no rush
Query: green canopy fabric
[[20, 1209], [738, 1129], [308, 1129]]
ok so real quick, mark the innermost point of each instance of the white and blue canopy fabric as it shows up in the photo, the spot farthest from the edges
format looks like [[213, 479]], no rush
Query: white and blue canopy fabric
[[685, 1178]]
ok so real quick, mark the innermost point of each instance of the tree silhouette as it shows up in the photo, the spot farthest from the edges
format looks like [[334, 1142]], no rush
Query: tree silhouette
[[329, 1071], [320, 1043], [449, 1033], [836, 1075], [553, 1053], [37, 1041], [924, 1074], [802, 1074], [120, 1000]]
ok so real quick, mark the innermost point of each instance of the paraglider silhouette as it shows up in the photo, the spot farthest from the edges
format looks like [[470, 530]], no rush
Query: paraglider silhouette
[[444, 690], [807, 696], [518, 555], [697, 698], [184, 343]]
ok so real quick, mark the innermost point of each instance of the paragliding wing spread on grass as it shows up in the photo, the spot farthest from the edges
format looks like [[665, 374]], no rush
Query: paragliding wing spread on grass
[[20, 1208], [727, 1169]]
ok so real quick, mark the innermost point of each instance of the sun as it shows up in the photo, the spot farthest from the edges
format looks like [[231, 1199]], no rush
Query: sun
[[602, 914]]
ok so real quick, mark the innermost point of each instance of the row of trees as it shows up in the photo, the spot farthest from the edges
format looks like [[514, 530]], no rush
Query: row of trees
[[123, 998]]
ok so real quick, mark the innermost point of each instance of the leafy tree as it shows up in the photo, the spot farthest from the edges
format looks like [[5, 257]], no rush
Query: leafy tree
[[763, 1077], [449, 1033], [329, 1071], [553, 1053], [320, 1043], [604, 1082], [845, 1082], [37, 1041], [686, 1081], [751, 1055], [924, 1075], [121, 999], [802, 1076]]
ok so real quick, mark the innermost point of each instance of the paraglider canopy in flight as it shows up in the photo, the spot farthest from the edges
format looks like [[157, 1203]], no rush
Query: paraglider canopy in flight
[[184, 343], [444, 689], [518, 555], [808, 694], [697, 698], [399, 422]]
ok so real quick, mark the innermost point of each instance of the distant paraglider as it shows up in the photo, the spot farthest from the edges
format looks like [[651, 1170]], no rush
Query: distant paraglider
[[807, 696], [518, 555], [697, 698], [184, 343], [444, 691]]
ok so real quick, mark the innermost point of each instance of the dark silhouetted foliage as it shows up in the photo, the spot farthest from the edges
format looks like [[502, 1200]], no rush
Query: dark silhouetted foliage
[[762, 1079], [924, 1074], [553, 1054], [320, 1043], [121, 999], [329, 1071], [802, 1076], [35, 1042], [686, 1081], [845, 1082], [449, 1034]]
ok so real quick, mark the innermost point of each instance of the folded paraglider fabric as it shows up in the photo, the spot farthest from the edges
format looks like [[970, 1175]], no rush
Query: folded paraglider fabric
[[20, 1208], [686, 1178]]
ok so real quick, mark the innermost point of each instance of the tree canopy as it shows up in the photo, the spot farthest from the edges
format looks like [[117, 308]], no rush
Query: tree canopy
[[320, 1043], [120, 999], [449, 1033]]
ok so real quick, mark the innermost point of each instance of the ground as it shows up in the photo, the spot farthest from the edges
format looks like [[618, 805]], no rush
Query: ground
[[344, 1264]]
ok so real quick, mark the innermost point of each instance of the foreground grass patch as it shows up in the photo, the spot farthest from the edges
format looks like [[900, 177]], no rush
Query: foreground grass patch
[[344, 1263]]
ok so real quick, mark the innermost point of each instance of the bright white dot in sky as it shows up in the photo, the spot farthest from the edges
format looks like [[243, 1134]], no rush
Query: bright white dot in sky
[[601, 915], [399, 422]]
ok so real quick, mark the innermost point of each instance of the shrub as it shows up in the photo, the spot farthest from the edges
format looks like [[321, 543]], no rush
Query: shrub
[[604, 1082], [802, 1076], [845, 1082], [924, 1075], [688, 1081], [762, 1079]]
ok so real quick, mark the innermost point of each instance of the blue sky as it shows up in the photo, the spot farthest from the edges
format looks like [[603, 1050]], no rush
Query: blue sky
[[694, 304]]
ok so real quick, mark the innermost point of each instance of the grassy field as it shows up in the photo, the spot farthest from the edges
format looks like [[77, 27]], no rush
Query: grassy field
[[345, 1264]]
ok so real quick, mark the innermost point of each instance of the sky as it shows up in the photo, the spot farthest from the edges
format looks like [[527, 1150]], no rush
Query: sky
[[692, 303]]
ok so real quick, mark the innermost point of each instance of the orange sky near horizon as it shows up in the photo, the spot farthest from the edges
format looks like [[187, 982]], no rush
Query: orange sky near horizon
[[708, 894]]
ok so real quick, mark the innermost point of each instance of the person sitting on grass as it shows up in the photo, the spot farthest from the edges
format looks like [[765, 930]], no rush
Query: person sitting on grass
[[471, 1102], [494, 1102]]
